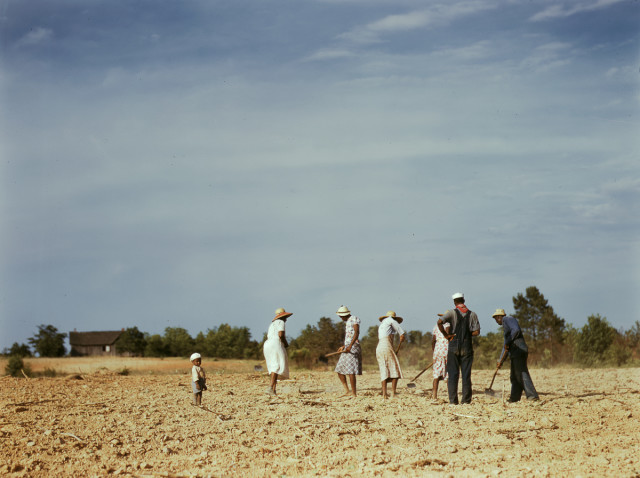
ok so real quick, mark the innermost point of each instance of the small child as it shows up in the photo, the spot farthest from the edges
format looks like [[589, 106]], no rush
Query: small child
[[198, 379]]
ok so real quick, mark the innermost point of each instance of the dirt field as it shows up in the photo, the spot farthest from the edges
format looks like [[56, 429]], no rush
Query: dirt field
[[99, 423]]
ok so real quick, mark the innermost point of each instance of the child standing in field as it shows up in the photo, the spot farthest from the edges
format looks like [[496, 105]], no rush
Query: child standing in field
[[198, 379]]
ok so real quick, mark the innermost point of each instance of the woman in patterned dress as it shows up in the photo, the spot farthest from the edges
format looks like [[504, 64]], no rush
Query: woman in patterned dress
[[440, 347], [350, 362], [387, 359]]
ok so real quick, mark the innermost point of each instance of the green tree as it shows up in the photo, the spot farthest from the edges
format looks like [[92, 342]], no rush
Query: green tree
[[487, 350], [48, 342], [542, 328], [318, 340], [368, 343], [225, 341], [20, 350], [416, 337], [594, 340], [632, 336], [177, 342], [131, 341], [155, 346]]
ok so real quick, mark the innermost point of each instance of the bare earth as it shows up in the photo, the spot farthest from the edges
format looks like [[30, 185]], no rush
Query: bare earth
[[101, 423]]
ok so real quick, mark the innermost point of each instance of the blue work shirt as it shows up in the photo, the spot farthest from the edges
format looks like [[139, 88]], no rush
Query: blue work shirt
[[513, 335]]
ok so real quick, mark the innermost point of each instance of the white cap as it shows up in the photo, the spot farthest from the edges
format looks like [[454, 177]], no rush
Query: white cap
[[457, 295], [195, 356]]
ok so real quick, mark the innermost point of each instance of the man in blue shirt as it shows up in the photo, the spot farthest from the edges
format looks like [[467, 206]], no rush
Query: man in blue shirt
[[516, 347]]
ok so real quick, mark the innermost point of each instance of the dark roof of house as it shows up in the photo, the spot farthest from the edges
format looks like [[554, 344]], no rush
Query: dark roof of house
[[94, 338]]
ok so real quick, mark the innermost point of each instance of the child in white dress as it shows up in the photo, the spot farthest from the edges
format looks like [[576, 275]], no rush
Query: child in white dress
[[198, 378]]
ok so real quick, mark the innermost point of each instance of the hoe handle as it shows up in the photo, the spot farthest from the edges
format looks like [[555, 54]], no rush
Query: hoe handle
[[423, 371], [502, 357]]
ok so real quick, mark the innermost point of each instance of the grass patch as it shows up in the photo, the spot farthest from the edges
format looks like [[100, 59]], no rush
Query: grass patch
[[50, 372], [124, 371]]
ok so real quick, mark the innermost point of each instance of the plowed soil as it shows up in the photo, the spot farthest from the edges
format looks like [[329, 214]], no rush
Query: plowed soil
[[101, 423]]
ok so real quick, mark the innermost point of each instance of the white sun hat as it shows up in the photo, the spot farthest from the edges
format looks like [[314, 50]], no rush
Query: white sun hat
[[195, 356], [343, 310], [391, 314], [457, 295]]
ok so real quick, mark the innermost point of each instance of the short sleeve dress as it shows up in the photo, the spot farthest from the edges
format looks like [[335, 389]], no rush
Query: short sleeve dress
[[387, 358], [440, 353], [350, 363], [274, 352]]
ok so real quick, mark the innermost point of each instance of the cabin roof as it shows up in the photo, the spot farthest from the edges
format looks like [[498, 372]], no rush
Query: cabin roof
[[94, 338]]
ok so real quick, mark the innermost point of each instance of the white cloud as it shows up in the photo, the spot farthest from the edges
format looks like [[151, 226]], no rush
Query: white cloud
[[549, 56], [403, 22], [329, 54], [36, 36], [440, 14], [611, 72], [560, 11], [475, 51]]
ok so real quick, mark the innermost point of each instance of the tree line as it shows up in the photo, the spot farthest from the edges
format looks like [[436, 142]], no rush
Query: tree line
[[551, 341]]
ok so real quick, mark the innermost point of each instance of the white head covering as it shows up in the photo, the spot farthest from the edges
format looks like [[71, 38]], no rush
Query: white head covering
[[195, 356], [343, 311]]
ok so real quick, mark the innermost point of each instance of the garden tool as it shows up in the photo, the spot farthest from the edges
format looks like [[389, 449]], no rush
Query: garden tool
[[488, 390], [413, 385]]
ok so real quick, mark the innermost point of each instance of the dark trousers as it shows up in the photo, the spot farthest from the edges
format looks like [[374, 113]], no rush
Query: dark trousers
[[459, 364], [520, 378]]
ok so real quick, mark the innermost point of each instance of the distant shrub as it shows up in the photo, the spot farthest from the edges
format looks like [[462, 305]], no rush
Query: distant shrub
[[124, 371], [545, 359], [50, 372], [15, 366], [618, 355]]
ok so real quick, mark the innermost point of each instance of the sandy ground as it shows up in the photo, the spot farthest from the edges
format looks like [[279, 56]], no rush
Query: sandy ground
[[102, 423]]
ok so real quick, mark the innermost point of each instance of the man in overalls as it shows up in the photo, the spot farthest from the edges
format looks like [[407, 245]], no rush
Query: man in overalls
[[464, 324]]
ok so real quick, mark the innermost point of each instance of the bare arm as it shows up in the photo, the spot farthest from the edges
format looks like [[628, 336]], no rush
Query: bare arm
[[447, 335], [283, 338]]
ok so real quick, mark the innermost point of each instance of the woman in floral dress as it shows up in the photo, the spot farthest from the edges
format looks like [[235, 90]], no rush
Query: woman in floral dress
[[440, 347], [350, 362]]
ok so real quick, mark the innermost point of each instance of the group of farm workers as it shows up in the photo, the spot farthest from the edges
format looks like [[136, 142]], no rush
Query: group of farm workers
[[451, 345]]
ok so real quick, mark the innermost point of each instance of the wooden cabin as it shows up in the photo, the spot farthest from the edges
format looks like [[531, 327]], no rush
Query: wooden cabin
[[94, 343]]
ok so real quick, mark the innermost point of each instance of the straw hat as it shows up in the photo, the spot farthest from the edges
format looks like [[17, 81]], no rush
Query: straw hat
[[457, 295], [391, 314], [343, 311], [194, 356], [282, 314], [499, 312]]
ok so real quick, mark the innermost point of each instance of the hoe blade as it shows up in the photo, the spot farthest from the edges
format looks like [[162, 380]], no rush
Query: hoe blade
[[492, 393]]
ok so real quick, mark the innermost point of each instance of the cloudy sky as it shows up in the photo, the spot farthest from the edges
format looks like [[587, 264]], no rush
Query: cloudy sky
[[188, 164]]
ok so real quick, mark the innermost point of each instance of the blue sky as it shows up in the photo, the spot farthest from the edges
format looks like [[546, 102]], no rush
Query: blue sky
[[196, 163]]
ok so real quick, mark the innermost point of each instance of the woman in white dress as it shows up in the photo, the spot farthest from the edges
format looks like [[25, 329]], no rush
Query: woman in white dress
[[275, 352], [387, 359]]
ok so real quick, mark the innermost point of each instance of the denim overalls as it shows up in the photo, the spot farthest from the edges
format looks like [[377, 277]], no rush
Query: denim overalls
[[460, 359]]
